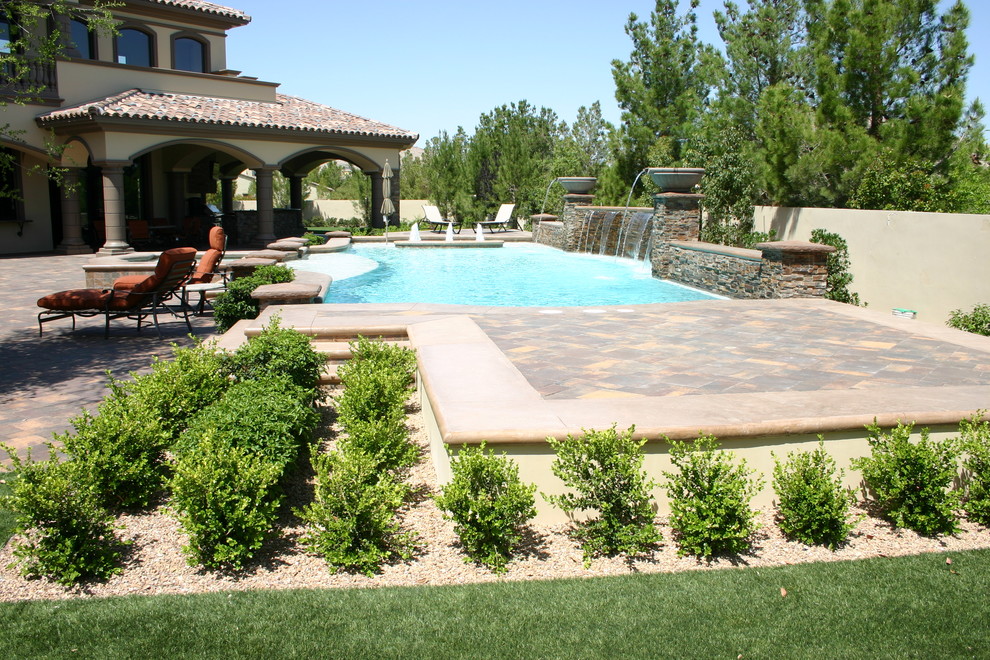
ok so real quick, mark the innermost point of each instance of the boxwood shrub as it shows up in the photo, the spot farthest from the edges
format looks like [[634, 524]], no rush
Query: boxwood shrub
[[236, 303], [225, 497], [710, 499], [489, 504], [975, 435], [270, 417], [812, 504], [604, 471], [912, 481], [352, 521], [278, 351], [67, 533]]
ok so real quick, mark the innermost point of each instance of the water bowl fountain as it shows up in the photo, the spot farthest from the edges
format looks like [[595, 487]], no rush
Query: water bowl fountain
[[577, 185], [676, 179]]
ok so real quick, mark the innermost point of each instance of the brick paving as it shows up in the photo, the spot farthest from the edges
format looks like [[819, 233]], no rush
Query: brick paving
[[47, 380], [720, 348]]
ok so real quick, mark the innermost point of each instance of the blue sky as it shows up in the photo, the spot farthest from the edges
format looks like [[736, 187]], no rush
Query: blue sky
[[435, 65]]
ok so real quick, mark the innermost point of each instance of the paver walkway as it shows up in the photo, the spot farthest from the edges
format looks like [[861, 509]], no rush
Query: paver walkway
[[701, 348], [47, 380]]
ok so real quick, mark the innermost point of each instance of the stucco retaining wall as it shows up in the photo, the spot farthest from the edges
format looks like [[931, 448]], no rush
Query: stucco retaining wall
[[928, 262]]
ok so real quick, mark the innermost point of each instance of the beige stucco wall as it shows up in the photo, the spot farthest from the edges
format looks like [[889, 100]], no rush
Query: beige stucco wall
[[37, 234], [410, 210], [929, 262]]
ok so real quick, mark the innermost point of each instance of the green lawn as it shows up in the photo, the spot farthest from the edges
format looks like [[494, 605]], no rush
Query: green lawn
[[905, 607]]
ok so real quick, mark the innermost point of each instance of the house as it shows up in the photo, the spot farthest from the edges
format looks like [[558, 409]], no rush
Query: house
[[152, 119]]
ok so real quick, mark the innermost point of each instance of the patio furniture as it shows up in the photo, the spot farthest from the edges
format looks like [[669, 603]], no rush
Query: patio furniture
[[139, 233], [439, 223], [149, 297], [207, 276], [502, 219]]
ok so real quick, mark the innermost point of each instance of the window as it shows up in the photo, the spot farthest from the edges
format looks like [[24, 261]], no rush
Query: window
[[82, 39], [5, 36], [134, 48], [189, 55]]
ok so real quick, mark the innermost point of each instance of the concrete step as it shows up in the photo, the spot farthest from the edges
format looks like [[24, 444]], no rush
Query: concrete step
[[341, 350]]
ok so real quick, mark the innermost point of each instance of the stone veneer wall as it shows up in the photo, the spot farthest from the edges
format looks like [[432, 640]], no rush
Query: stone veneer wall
[[732, 272], [781, 269]]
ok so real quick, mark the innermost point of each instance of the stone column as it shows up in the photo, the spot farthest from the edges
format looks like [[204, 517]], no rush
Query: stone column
[[676, 217], [113, 211], [376, 199], [176, 196], [793, 269], [72, 241], [295, 192], [227, 194], [266, 215]]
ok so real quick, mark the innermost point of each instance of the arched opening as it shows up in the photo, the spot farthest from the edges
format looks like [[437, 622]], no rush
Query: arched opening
[[189, 54]]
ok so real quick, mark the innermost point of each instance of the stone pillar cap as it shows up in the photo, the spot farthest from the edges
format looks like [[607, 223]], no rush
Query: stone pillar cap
[[795, 247]]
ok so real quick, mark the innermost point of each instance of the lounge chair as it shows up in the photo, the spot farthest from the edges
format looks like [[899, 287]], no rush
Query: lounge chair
[[207, 276], [149, 297], [502, 219], [438, 221]]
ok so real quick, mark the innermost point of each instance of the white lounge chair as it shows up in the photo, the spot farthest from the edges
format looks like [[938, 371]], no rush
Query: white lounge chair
[[438, 222], [502, 219]]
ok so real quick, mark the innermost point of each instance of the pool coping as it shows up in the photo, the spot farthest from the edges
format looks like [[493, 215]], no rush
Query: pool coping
[[475, 393]]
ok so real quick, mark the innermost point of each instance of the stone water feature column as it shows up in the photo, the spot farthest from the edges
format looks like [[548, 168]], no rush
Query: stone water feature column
[[676, 217], [573, 217], [793, 269]]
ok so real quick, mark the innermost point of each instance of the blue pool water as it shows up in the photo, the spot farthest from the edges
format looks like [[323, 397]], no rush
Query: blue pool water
[[516, 275]]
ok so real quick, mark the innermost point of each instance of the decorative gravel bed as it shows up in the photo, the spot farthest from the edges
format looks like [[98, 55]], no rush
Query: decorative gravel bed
[[155, 563]]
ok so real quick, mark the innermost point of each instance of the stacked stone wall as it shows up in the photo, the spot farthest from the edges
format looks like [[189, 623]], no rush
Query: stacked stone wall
[[780, 269]]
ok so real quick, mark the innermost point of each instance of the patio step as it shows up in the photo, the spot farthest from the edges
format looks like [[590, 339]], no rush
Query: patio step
[[341, 350]]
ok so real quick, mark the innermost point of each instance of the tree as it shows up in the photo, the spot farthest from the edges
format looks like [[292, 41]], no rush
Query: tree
[[33, 36], [415, 184], [445, 161], [664, 88], [510, 156]]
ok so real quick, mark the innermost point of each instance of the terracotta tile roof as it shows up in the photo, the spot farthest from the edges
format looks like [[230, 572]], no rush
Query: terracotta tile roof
[[286, 113], [206, 7]]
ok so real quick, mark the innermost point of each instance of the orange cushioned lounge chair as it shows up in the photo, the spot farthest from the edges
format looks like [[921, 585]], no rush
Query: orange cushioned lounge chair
[[149, 297], [206, 277]]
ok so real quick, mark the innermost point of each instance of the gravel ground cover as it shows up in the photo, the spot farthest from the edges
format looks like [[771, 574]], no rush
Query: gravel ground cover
[[155, 564]]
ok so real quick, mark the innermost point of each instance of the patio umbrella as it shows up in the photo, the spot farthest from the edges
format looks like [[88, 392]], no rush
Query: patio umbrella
[[388, 208]]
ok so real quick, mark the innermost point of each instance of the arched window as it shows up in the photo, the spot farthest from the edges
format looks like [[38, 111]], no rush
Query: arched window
[[134, 47], [82, 39], [189, 55], [6, 35]]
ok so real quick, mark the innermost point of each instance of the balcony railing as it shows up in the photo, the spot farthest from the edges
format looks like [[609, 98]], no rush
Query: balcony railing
[[37, 83]]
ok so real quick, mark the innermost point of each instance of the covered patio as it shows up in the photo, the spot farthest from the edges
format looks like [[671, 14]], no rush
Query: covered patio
[[156, 155]]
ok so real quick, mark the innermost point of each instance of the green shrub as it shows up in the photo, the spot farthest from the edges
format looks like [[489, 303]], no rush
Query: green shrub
[[837, 264], [604, 469], [813, 506], [225, 499], [278, 351], [385, 355], [385, 440], [976, 321], [911, 481], [352, 521], [177, 389], [976, 443], [119, 453], [488, 504], [270, 417], [709, 499], [67, 534], [236, 303], [370, 392], [314, 239]]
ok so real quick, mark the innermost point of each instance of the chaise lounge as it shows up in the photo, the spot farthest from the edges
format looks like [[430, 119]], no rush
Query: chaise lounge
[[502, 219], [439, 223], [148, 297]]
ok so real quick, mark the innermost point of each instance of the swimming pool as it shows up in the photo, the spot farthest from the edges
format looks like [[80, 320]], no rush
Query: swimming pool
[[516, 275]]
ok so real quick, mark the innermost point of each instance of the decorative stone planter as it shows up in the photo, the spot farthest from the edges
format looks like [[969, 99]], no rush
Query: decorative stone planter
[[676, 179], [578, 185]]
